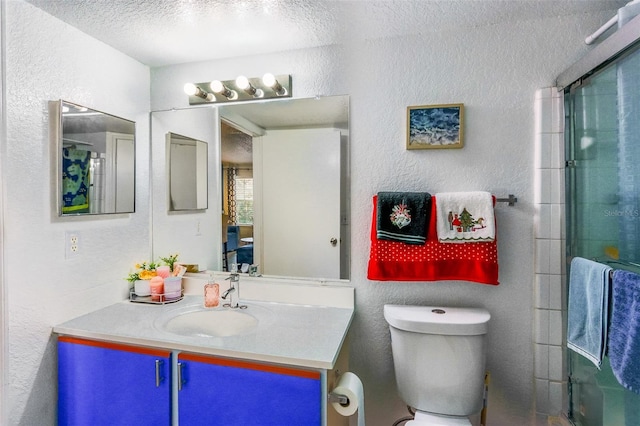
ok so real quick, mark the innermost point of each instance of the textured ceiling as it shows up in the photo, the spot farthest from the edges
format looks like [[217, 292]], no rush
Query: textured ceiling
[[165, 32]]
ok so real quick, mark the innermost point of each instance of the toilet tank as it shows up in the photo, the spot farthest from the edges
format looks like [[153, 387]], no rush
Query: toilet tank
[[439, 356]]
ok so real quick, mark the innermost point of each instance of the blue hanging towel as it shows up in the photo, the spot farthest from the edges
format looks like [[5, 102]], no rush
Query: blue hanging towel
[[588, 309], [624, 334]]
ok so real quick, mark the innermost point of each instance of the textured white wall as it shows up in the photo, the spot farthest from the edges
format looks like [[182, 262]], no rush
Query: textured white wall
[[495, 72], [48, 60]]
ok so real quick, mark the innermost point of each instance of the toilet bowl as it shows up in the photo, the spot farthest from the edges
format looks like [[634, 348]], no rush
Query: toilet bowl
[[439, 356]]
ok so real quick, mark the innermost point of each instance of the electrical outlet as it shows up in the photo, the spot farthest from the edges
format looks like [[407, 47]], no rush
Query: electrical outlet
[[71, 244]]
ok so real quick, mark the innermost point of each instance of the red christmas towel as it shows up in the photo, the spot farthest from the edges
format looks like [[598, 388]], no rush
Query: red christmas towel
[[433, 261]]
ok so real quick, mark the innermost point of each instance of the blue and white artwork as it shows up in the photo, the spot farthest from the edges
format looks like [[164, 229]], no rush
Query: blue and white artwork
[[437, 126]]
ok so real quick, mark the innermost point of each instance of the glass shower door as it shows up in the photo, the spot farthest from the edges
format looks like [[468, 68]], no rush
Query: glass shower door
[[603, 213]]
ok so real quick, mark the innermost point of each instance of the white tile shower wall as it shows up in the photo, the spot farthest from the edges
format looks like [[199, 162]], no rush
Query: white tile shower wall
[[550, 311]]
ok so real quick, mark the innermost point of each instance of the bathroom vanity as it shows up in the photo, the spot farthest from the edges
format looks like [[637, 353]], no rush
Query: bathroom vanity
[[271, 363]]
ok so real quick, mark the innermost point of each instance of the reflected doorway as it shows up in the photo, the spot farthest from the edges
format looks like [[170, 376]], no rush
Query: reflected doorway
[[237, 196]]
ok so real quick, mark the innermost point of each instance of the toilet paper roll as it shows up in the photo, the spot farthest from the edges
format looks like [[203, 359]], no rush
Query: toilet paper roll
[[350, 386]]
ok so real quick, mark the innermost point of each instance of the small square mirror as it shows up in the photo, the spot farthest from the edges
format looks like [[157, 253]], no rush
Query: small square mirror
[[95, 161]]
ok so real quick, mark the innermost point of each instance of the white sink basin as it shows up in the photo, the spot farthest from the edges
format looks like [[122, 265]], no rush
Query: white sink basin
[[197, 321]]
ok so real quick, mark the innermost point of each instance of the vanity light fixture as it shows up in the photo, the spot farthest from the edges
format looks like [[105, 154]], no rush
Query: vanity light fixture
[[270, 80], [193, 90], [241, 89], [221, 89], [243, 83]]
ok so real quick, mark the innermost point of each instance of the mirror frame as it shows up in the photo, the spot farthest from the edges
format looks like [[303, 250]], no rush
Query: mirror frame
[[57, 131]]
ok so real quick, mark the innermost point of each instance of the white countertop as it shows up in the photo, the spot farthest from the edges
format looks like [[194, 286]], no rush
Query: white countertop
[[292, 334]]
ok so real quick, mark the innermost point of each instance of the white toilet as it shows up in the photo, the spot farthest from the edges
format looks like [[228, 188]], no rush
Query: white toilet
[[439, 357]]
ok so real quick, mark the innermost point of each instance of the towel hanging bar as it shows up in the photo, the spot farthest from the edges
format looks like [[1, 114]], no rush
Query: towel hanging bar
[[512, 200], [617, 261], [625, 265]]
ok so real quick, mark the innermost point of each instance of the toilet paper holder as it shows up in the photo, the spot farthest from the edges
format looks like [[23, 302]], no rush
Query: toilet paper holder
[[339, 398]]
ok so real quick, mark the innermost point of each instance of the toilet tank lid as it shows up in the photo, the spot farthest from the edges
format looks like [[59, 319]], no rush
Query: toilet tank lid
[[438, 319]]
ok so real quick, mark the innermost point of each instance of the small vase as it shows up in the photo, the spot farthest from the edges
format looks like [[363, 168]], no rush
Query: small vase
[[141, 288], [157, 289], [172, 287]]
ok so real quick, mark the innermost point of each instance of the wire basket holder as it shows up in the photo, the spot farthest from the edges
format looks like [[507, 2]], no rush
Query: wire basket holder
[[161, 299]]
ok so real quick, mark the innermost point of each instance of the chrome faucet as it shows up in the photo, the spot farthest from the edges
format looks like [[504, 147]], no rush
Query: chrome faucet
[[234, 290]]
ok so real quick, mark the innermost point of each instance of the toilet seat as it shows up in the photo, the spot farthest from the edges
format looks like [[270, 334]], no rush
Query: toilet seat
[[428, 419]]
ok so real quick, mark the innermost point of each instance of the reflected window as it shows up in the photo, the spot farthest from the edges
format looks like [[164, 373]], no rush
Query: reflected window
[[244, 200], [238, 196]]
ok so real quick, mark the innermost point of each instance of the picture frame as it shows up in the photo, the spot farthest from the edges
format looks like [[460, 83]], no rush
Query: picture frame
[[435, 126]]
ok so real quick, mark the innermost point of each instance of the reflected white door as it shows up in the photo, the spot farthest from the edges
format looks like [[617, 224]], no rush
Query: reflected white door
[[119, 193], [300, 200]]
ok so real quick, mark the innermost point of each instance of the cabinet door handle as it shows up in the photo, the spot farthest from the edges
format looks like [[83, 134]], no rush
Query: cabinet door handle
[[180, 380], [159, 378]]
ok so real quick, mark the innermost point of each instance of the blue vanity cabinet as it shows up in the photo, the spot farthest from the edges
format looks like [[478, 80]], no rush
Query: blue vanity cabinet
[[229, 392], [101, 383]]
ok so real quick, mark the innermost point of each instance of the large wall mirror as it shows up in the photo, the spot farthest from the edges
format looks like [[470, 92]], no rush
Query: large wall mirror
[[187, 170], [285, 187], [95, 161]]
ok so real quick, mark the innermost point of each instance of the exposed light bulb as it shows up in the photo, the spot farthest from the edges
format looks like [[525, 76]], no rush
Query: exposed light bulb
[[218, 87], [269, 80], [193, 90], [243, 83], [190, 89]]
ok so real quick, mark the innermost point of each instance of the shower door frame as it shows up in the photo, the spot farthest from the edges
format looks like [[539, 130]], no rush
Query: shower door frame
[[623, 42], [602, 54]]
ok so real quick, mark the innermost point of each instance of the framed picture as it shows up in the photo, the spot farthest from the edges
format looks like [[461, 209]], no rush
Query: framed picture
[[435, 126]]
